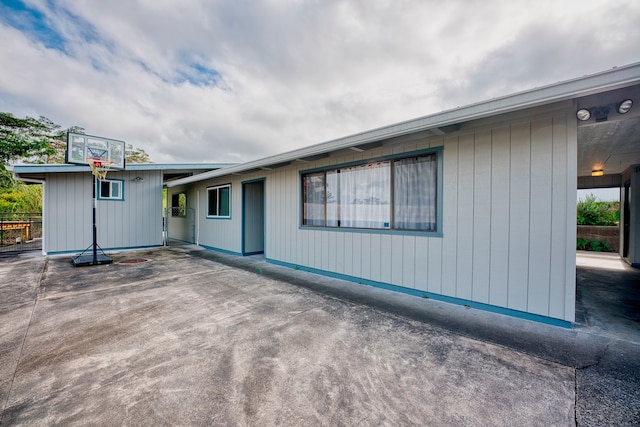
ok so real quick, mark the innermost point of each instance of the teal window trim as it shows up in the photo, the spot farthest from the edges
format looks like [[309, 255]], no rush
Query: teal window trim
[[249, 181], [438, 232], [216, 189], [373, 231], [119, 197]]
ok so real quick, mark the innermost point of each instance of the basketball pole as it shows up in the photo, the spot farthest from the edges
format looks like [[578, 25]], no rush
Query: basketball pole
[[86, 257], [95, 229], [95, 152]]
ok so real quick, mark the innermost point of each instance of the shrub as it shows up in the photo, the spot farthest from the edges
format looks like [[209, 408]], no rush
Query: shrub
[[599, 246], [590, 211], [583, 244], [21, 198]]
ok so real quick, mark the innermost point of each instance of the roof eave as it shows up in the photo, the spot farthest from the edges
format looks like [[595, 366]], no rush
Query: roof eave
[[61, 168]]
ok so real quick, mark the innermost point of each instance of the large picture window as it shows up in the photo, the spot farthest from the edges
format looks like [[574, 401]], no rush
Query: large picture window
[[219, 201], [393, 194]]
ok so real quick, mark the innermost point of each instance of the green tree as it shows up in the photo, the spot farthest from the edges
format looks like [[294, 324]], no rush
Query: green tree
[[136, 155], [39, 141], [18, 138], [54, 152], [21, 137], [30, 140]]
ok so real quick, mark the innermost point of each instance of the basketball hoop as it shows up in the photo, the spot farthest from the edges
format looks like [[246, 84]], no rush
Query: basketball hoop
[[99, 166], [99, 162]]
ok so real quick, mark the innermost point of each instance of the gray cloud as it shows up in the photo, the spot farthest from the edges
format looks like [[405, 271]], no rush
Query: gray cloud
[[233, 81], [550, 51]]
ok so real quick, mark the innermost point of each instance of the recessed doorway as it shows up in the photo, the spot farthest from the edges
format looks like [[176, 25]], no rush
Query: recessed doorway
[[253, 217]]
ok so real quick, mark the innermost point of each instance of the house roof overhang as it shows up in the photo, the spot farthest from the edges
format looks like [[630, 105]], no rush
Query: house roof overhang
[[36, 173]]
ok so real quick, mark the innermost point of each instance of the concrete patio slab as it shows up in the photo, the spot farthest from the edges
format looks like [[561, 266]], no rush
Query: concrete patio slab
[[181, 339]]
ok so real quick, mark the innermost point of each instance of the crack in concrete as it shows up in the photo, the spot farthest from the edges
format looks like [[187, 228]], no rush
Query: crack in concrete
[[575, 397], [575, 379]]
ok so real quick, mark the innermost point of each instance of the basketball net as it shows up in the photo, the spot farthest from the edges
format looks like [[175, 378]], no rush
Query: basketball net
[[99, 166]]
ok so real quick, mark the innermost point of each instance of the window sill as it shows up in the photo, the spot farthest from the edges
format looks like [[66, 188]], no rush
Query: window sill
[[374, 231]]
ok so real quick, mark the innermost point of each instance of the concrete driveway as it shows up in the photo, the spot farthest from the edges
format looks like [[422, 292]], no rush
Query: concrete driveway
[[185, 340]]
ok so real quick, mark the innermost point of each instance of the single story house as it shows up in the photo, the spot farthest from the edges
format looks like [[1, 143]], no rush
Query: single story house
[[475, 205]]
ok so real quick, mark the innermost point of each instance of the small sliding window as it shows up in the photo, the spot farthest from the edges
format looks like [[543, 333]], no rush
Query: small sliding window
[[219, 201], [111, 189]]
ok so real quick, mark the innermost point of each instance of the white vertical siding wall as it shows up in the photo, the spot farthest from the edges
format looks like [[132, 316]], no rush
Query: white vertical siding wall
[[134, 222], [508, 219], [223, 234]]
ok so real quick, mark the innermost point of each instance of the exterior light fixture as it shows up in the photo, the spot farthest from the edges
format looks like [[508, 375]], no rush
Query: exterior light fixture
[[625, 106], [597, 172], [601, 113], [583, 114]]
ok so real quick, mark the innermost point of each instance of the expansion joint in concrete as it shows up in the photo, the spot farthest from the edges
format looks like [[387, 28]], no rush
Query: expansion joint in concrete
[[575, 380], [575, 397]]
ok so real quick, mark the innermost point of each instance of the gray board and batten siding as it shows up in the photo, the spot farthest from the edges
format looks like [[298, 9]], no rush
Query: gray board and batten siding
[[129, 206], [507, 228], [135, 221]]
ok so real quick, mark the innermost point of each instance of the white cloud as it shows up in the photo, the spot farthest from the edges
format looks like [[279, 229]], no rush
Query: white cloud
[[233, 81]]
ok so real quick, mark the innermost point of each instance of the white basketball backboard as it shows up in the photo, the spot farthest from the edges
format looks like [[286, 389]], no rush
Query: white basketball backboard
[[80, 147]]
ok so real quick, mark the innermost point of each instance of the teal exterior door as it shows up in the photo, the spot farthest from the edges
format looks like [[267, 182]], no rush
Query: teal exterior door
[[253, 218]]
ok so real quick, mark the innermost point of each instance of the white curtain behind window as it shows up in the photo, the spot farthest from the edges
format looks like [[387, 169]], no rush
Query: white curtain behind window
[[333, 197], [364, 195], [314, 196], [415, 193]]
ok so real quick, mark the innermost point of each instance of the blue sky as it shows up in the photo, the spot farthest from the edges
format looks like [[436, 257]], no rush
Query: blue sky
[[31, 21], [202, 80]]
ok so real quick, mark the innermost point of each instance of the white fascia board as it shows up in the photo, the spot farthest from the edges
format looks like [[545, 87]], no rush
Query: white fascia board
[[569, 89], [29, 180]]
